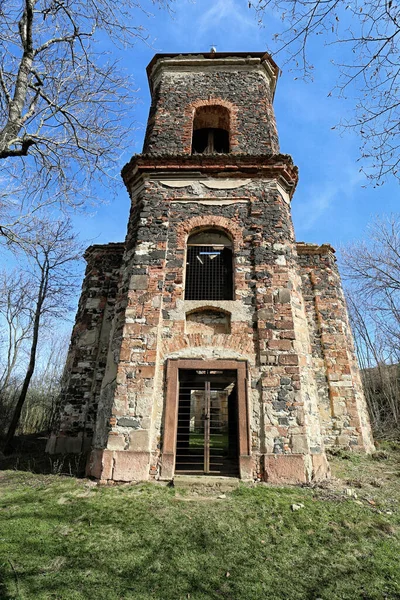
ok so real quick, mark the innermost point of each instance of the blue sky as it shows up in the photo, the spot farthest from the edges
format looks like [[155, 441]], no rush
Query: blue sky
[[330, 204]]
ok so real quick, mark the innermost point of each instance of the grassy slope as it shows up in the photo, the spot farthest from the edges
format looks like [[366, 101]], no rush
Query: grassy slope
[[64, 538]]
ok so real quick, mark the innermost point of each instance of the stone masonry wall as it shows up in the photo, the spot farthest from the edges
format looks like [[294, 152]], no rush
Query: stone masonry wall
[[268, 326], [342, 405], [180, 92], [87, 354], [287, 324]]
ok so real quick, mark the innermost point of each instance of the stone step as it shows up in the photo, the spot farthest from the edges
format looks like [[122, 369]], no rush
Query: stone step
[[206, 483]]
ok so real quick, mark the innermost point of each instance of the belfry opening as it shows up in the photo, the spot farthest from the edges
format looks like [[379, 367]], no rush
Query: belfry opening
[[210, 342], [211, 130]]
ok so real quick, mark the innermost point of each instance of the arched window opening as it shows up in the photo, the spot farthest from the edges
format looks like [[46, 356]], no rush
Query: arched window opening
[[209, 266], [211, 130]]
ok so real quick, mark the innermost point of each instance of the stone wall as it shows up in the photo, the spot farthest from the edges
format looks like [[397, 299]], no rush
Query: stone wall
[[267, 317], [342, 405], [181, 87], [87, 355], [286, 326]]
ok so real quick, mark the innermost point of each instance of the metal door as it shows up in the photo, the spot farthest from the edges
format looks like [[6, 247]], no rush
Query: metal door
[[207, 432]]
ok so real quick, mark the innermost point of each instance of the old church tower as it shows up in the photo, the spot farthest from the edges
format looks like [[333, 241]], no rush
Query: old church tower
[[210, 341]]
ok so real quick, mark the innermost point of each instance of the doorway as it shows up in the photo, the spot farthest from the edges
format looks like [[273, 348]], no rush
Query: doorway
[[207, 427], [206, 378]]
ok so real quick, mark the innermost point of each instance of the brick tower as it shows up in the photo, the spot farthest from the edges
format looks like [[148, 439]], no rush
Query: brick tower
[[210, 342]]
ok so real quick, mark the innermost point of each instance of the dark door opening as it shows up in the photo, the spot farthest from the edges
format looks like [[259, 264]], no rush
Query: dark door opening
[[207, 429]]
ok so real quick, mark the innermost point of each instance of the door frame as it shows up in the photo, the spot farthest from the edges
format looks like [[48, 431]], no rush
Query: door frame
[[171, 412]]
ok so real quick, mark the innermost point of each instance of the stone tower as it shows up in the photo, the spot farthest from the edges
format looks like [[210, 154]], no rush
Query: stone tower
[[210, 342]]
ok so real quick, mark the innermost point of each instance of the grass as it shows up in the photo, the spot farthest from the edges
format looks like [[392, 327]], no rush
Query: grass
[[64, 538]]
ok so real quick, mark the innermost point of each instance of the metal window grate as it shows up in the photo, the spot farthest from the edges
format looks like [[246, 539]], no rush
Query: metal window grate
[[209, 273]]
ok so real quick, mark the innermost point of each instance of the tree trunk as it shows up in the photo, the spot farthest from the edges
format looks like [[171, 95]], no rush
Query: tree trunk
[[8, 446]]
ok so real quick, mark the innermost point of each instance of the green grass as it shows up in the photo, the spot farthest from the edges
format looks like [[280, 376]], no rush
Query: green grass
[[217, 440], [62, 538]]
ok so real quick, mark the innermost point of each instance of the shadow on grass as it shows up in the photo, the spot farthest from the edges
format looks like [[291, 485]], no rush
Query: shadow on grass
[[29, 454], [139, 542]]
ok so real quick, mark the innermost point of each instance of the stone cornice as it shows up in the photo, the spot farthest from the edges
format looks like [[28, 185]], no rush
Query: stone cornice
[[112, 247], [277, 166], [214, 60], [307, 248]]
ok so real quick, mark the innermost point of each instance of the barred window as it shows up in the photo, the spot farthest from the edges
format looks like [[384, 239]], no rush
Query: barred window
[[209, 266]]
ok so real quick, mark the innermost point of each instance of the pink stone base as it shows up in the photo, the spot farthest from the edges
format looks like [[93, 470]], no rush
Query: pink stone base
[[246, 467], [295, 468], [167, 466], [320, 467], [114, 465]]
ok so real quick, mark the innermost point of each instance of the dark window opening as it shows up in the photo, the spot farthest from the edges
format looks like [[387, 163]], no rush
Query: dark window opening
[[210, 140], [211, 126], [209, 267]]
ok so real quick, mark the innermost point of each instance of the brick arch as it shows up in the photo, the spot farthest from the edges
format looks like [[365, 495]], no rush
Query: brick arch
[[190, 111], [185, 228], [207, 307]]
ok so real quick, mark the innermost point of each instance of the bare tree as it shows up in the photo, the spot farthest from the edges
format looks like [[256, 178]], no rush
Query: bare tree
[[368, 33], [52, 252], [372, 275], [15, 320], [40, 408], [372, 267], [62, 100]]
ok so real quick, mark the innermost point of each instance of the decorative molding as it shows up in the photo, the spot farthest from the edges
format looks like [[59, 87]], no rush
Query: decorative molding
[[211, 201]]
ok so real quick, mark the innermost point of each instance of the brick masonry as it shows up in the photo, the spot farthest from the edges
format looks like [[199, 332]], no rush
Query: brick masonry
[[288, 319]]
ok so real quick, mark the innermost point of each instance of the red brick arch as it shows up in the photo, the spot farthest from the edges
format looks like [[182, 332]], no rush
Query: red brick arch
[[190, 111], [227, 225]]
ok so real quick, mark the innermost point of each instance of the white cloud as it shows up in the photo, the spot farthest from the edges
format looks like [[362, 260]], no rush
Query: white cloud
[[226, 13], [315, 202]]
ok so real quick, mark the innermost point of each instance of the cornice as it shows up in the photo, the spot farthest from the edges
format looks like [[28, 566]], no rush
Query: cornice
[[307, 248], [214, 60], [270, 166]]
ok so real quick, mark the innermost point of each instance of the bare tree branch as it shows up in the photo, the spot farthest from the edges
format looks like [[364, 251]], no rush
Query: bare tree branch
[[63, 102], [369, 34]]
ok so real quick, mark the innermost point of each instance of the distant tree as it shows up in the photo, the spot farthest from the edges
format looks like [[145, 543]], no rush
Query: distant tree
[[368, 33], [40, 408], [62, 100], [15, 322], [52, 252], [372, 275]]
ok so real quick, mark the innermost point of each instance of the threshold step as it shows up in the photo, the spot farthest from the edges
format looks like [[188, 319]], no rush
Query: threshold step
[[206, 482]]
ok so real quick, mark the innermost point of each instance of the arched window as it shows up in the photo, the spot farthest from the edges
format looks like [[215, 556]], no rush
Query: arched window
[[209, 266], [210, 130]]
